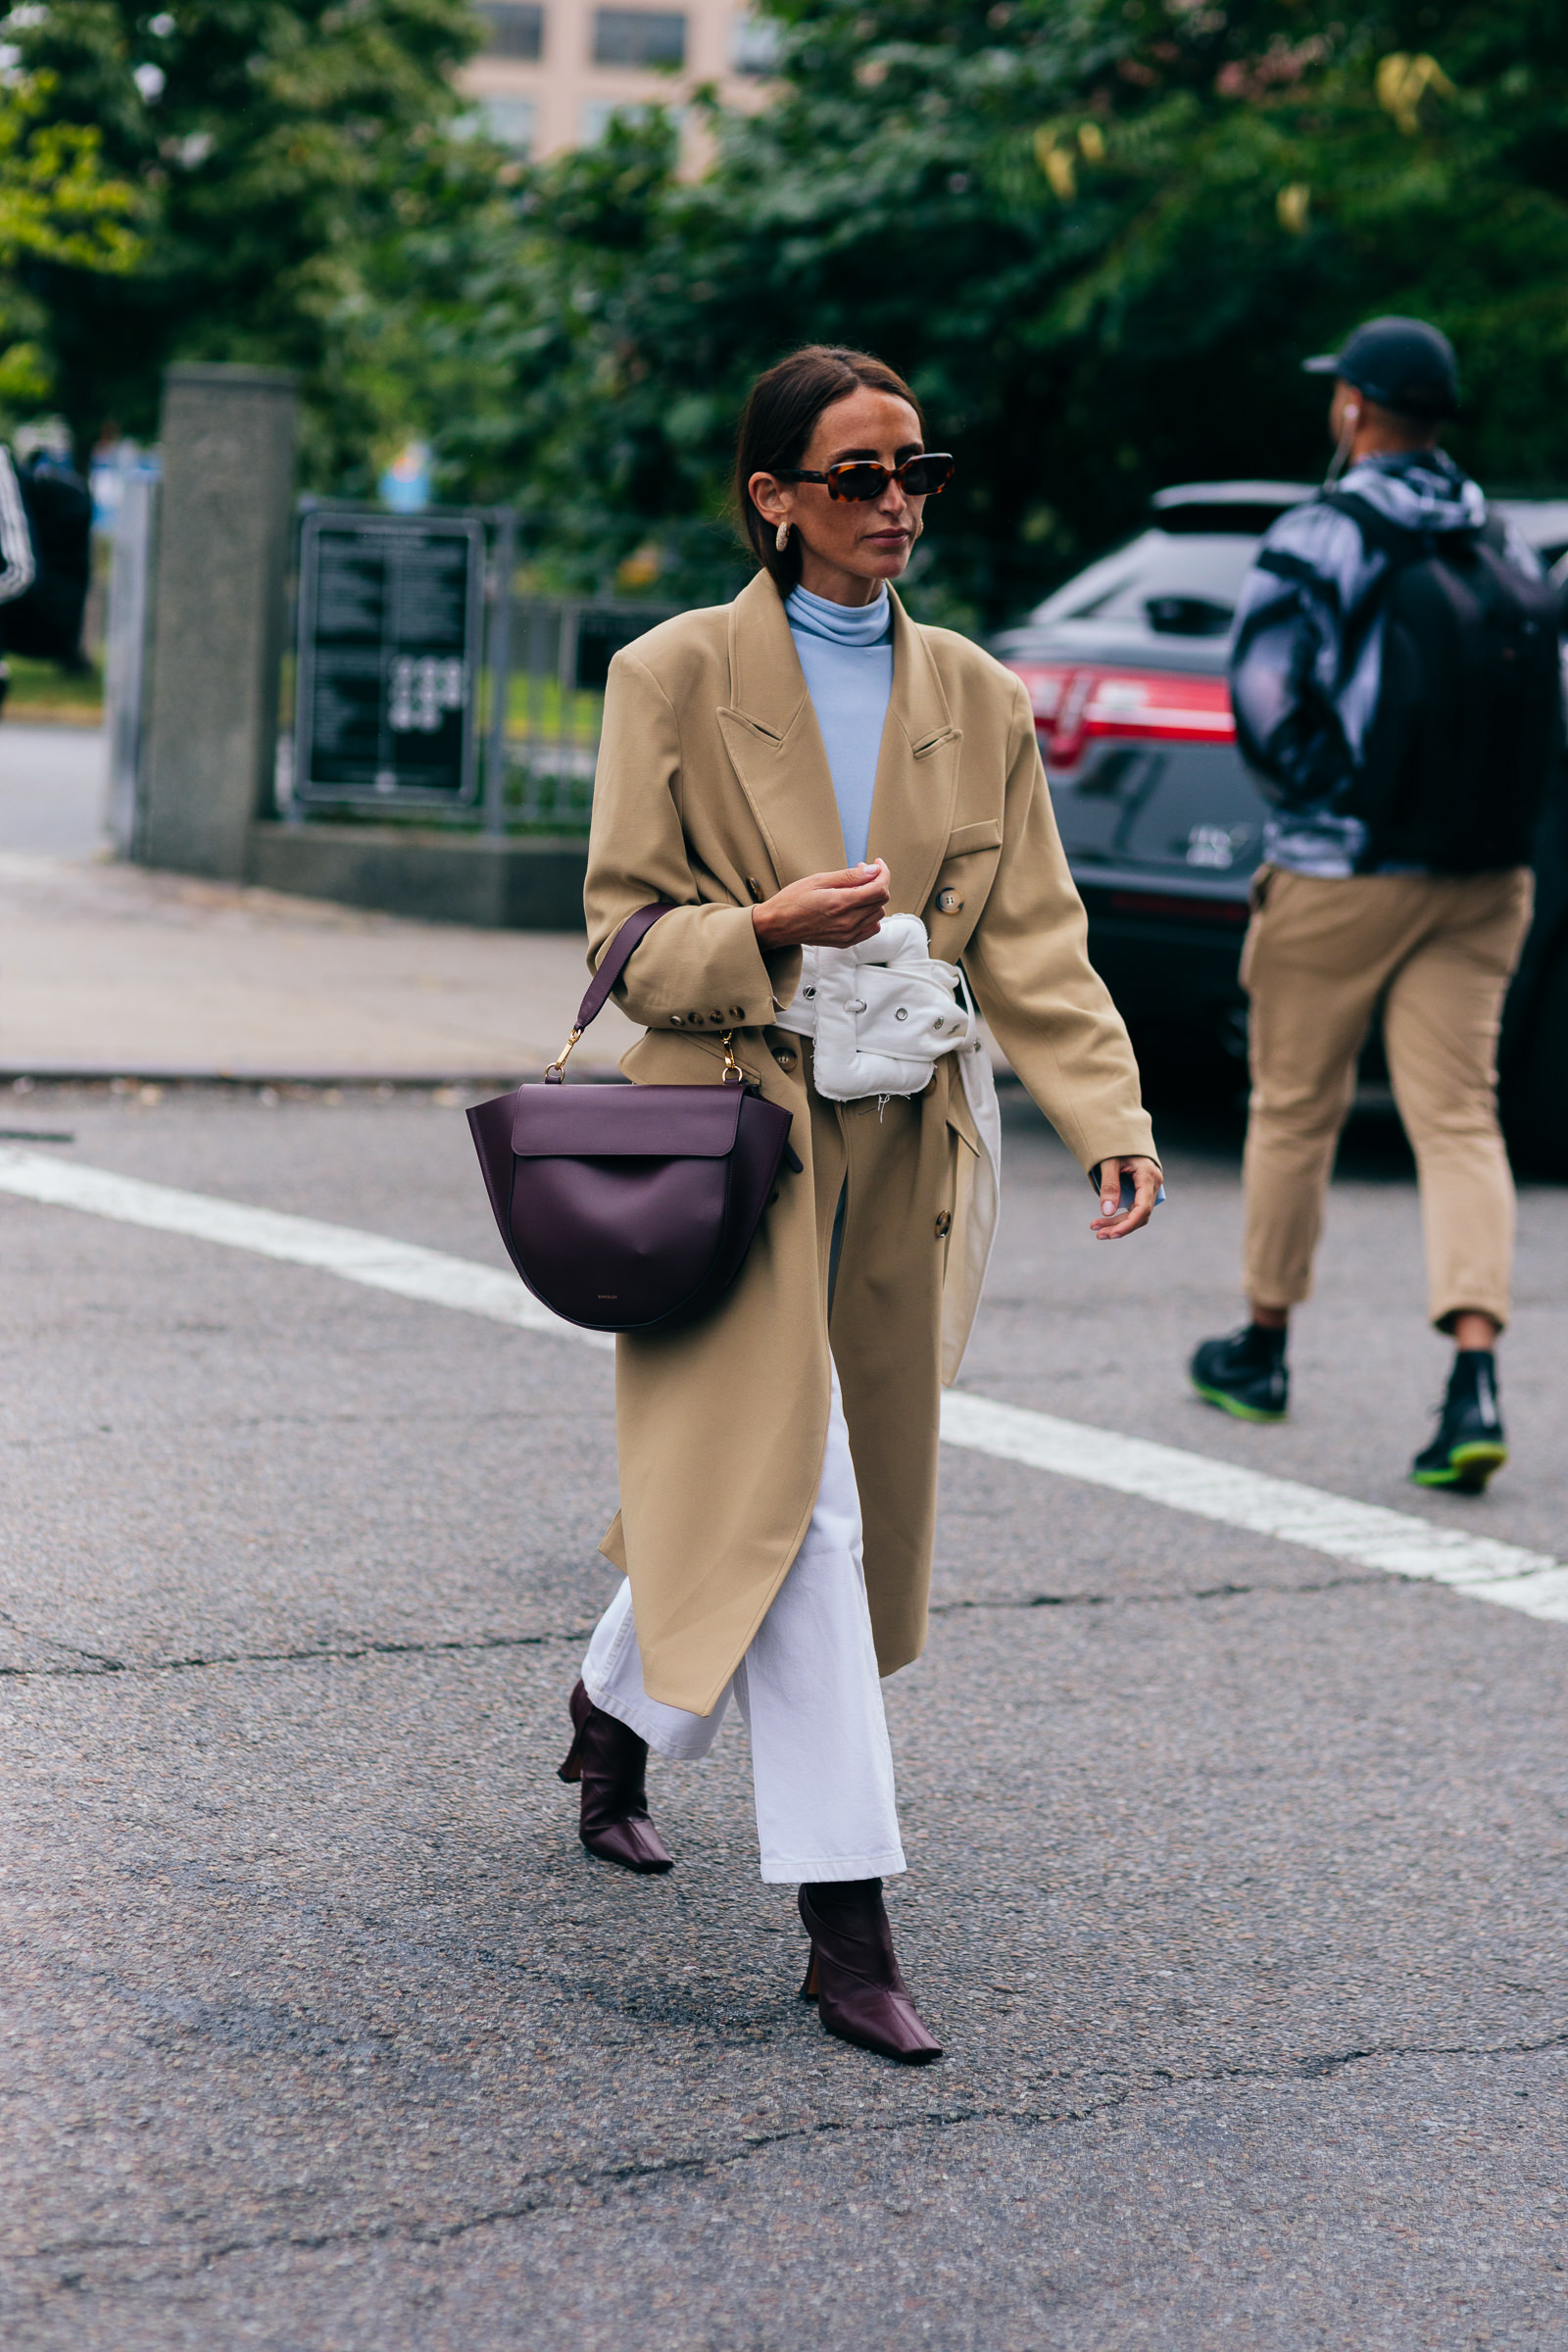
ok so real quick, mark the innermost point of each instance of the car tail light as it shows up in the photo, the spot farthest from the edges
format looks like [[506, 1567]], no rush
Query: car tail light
[[1230, 914], [1045, 689], [1075, 708]]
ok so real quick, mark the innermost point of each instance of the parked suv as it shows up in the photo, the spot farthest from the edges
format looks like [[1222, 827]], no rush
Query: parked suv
[[1125, 667]]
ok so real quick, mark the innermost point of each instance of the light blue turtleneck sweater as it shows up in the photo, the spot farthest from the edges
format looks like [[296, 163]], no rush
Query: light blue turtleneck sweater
[[847, 653]]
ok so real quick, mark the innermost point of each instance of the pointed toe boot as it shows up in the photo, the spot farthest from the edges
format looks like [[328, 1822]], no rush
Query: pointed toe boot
[[854, 1974], [612, 1762]]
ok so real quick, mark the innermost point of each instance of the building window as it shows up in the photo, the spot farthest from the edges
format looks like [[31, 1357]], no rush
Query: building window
[[511, 123], [516, 29], [753, 45], [638, 37]]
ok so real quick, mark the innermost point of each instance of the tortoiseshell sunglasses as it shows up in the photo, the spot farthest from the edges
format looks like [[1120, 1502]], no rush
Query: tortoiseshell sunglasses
[[925, 476]]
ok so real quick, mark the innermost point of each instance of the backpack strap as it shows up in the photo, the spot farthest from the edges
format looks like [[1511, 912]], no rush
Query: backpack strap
[[1378, 531], [1397, 541]]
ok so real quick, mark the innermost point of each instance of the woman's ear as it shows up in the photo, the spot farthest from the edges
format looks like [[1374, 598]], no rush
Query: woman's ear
[[769, 498]]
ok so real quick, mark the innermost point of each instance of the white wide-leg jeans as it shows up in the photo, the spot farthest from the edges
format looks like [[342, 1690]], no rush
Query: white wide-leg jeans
[[808, 1692]]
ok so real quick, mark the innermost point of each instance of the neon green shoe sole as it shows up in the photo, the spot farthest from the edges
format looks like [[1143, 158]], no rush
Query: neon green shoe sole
[[1468, 1468], [1234, 1405]]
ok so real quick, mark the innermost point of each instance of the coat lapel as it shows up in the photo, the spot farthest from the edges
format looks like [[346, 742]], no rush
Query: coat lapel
[[774, 743], [918, 773]]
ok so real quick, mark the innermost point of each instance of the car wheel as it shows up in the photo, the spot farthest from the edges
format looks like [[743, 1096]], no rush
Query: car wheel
[[1535, 1098]]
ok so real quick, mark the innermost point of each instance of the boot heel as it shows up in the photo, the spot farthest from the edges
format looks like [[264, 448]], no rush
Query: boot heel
[[809, 1988], [572, 1769]]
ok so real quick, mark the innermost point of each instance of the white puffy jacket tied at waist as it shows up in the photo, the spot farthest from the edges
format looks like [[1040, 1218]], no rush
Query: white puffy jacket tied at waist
[[880, 1018]]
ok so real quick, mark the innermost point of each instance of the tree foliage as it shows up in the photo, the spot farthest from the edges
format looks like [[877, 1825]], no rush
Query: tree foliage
[[57, 206], [272, 144], [1097, 236]]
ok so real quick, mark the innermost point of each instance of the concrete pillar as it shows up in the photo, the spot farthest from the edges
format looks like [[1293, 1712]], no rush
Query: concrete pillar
[[228, 452]]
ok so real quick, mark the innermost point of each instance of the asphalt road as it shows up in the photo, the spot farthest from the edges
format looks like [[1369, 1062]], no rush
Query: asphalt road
[[1236, 1888]]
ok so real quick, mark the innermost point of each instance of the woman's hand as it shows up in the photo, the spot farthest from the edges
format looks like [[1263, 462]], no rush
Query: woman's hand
[[825, 910], [1110, 1225]]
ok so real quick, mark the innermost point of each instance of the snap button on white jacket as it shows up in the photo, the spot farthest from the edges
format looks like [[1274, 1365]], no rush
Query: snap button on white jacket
[[882, 1015]]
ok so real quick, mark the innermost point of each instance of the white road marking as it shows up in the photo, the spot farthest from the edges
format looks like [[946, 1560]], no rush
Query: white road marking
[[370, 1258], [1363, 1534]]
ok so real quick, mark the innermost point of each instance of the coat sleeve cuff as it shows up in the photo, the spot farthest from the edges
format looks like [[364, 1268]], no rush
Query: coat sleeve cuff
[[704, 968], [1142, 1150]]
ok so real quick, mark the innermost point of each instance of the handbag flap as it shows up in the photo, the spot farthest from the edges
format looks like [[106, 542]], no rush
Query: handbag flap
[[626, 1122]]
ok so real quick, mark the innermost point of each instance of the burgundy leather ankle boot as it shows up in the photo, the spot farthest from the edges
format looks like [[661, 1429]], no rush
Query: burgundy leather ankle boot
[[854, 1977], [612, 1762]]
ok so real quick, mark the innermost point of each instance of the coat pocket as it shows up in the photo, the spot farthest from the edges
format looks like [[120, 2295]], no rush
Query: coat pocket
[[965, 840], [1257, 899]]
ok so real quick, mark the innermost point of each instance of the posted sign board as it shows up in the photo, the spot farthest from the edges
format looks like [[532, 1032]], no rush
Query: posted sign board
[[391, 611]]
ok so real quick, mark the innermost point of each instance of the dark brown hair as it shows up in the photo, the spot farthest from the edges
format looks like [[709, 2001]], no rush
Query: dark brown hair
[[776, 427]]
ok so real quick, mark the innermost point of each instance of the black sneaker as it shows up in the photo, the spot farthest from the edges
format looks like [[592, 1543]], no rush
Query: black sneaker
[[1244, 1374], [1469, 1445]]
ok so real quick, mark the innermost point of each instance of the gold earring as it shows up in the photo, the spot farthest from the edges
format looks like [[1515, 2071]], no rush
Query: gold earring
[[781, 537]]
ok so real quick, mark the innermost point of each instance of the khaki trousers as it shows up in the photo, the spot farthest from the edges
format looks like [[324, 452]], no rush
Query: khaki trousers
[[1438, 951]]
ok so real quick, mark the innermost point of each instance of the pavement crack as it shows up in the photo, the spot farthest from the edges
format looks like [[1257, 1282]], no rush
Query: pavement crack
[[1132, 1600], [95, 1661], [1101, 2092], [94, 1664]]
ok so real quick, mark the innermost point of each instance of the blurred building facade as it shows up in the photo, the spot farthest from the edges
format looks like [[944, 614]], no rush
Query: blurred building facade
[[553, 71]]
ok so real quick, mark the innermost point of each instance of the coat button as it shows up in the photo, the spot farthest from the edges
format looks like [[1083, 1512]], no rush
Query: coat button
[[737, 1012], [944, 1224], [674, 1020], [755, 887], [949, 902], [717, 1017], [784, 1057]]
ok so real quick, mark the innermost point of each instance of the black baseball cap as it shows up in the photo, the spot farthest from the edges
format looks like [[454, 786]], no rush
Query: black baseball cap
[[1402, 364]]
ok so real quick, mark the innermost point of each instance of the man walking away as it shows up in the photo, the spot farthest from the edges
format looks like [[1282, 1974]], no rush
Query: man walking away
[[1397, 689]]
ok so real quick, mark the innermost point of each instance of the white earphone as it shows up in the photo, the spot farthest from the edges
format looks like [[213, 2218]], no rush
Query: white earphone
[[1337, 464]]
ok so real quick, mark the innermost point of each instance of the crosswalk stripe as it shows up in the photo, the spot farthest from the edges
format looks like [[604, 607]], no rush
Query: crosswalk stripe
[[1364, 1534]]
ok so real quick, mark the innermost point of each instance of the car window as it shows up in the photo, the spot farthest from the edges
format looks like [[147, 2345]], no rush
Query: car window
[[1542, 522], [1178, 584]]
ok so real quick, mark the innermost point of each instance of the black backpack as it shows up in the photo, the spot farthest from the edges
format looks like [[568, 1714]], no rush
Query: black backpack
[[44, 622], [1469, 719]]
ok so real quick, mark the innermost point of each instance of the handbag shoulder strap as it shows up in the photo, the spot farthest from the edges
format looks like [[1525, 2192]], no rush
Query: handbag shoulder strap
[[633, 931], [617, 956]]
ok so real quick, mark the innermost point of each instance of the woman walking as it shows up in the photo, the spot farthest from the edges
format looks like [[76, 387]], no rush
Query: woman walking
[[787, 771]]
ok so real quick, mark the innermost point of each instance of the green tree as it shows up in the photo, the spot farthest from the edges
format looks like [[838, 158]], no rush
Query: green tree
[[271, 143], [57, 207], [1097, 235]]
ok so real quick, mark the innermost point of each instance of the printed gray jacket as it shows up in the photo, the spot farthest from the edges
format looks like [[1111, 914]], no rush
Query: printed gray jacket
[[17, 565], [1300, 718]]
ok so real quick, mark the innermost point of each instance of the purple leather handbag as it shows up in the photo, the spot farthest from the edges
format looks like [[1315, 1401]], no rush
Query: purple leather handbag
[[629, 1207]]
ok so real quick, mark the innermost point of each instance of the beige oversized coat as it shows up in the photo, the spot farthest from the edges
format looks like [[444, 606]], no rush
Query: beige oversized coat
[[714, 791]]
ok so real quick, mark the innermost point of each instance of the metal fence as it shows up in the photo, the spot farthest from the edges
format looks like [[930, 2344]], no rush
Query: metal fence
[[553, 657], [125, 652], [537, 694]]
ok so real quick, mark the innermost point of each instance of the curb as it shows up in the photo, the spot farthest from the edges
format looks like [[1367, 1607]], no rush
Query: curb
[[240, 1075]]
